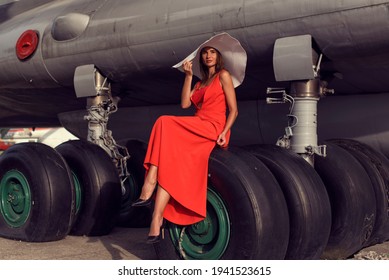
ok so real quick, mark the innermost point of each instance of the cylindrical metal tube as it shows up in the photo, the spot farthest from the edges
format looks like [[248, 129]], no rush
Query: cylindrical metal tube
[[309, 88], [304, 138]]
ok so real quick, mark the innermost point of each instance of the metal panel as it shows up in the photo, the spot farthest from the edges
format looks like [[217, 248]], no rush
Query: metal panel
[[84, 81], [292, 58]]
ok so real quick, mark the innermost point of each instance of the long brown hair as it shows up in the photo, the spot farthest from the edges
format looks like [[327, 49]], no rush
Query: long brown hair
[[204, 69]]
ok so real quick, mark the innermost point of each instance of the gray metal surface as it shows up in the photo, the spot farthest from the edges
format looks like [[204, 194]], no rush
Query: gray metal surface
[[293, 58], [135, 43]]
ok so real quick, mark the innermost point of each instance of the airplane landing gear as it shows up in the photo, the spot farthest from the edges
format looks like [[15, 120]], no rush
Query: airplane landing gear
[[306, 88], [354, 201], [89, 82]]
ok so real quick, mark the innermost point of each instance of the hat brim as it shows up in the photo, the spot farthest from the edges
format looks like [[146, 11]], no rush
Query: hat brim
[[234, 57]]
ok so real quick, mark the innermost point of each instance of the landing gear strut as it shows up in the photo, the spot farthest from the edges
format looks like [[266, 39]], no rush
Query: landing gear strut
[[351, 193], [294, 61], [89, 82]]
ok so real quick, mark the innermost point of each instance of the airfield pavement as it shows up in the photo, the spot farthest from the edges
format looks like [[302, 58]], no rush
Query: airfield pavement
[[120, 244]]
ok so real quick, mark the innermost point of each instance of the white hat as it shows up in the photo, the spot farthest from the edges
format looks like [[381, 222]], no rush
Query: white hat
[[234, 57]]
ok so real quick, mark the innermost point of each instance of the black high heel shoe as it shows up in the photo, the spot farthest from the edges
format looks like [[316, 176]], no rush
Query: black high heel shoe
[[144, 202], [152, 239]]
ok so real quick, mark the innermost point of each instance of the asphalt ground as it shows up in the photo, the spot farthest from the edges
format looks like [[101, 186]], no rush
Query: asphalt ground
[[120, 244]]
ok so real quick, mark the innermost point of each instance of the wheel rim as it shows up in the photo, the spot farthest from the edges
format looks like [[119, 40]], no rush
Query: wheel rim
[[77, 191], [15, 198], [129, 193], [207, 239]]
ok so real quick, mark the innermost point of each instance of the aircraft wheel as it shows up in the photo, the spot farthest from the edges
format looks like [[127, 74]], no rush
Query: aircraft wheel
[[307, 199], [98, 191], [36, 194], [246, 214], [377, 168], [134, 216], [352, 202]]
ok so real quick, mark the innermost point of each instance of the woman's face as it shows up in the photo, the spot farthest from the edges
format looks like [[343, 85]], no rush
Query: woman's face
[[209, 56]]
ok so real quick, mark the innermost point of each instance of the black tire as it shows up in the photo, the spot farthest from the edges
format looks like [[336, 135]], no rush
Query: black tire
[[352, 202], [247, 216], [38, 181], [134, 216], [99, 189], [307, 199], [377, 167]]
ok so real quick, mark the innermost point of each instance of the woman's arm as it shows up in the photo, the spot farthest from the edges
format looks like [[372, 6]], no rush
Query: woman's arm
[[186, 92], [229, 90]]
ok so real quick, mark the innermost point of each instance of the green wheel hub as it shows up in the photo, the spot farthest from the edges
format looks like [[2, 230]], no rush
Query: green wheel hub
[[208, 239], [15, 204], [78, 191], [129, 193]]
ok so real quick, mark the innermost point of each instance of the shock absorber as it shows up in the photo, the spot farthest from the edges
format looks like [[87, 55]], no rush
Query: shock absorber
[[294, 62], [90, 83]]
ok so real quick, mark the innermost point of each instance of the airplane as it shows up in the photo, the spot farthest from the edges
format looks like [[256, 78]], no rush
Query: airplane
[[49, 136], [306, 173]]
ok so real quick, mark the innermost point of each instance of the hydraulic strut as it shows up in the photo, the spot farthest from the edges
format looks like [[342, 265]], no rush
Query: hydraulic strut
[[294, 61], [301, 132], [90, 83]]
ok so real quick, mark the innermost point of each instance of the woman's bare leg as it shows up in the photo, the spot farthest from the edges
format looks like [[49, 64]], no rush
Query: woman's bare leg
[[161, 201], [149, 183]]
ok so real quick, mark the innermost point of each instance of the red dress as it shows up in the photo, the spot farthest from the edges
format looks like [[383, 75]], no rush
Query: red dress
[[180, 146]]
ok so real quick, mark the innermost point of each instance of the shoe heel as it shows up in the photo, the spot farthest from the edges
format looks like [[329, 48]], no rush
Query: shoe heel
[[151, 239]]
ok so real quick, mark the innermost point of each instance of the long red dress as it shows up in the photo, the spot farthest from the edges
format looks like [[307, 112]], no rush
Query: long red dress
[[180, 147]]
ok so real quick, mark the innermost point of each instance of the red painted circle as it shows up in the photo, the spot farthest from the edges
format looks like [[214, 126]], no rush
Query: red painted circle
[[27, 44]]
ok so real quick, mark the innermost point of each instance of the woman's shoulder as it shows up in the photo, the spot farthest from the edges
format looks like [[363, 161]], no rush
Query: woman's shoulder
[[225, 77], [224, 74]]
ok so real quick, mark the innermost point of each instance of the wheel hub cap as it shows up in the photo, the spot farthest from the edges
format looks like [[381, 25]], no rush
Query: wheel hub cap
[[15, 204], [207, 239]]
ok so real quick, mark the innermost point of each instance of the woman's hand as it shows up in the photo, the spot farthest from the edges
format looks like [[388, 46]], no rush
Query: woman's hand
[[221, 140], [187, 66]]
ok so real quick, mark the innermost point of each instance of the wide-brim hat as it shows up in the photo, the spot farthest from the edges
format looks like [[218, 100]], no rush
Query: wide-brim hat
[[234, 57]]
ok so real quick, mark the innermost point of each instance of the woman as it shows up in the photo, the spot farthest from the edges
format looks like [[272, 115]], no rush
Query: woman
[[180, 146]]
